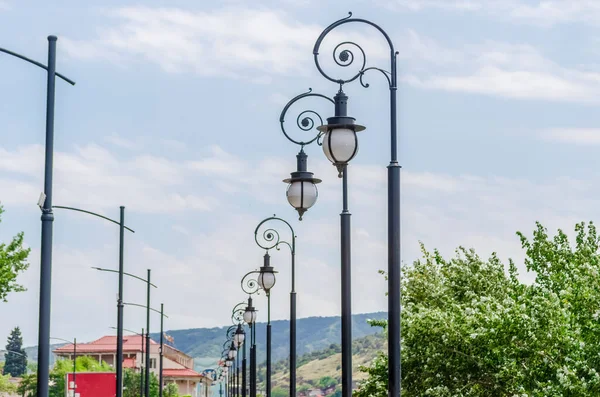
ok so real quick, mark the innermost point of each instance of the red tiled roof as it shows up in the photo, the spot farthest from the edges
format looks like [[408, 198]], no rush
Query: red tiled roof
[[106, 344], [129, 363], [180, 372]]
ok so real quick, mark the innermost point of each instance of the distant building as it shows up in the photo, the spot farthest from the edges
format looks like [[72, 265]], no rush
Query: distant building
[[178, 367]]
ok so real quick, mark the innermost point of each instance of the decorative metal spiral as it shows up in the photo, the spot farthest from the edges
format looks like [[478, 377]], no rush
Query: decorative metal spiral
[[270, 237], [250, 285], [344, 56], [237, 315], [231, 332], [306, 120]]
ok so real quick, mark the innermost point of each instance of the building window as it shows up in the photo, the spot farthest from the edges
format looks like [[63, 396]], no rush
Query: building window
[[153, 363]]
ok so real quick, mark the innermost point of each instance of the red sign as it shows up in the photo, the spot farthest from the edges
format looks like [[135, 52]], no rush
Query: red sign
[[92, 384]]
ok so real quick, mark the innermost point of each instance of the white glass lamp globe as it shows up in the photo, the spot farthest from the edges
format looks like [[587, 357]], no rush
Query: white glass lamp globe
[[340, 145]]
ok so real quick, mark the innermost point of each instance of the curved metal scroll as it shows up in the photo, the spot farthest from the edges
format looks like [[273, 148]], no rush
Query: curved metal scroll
[[250, 285], [347, 52], [270, 237], [237, 314], [306, 120]]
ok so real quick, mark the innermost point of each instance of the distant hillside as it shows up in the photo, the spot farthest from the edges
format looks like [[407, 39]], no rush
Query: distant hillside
[[313, 333], [324, 366]]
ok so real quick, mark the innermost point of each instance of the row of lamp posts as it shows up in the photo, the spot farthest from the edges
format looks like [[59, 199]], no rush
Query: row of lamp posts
[[339, 141], [340, 144]]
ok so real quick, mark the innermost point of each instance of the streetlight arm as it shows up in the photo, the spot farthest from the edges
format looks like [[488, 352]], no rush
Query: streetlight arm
[[344, 57], [4, 50], [305, 120], [271, 238], [127, 274], [250, 285], [145, 307], [91, 213], [63, 340], [15, 353]]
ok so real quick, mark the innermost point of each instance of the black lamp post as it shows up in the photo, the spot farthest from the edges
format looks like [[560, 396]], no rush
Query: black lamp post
[[45, 204], [250, 319], [340, 145], [120, 304], [121, 272], [344, 56], [265, 280], [272, 239], [148, 309]]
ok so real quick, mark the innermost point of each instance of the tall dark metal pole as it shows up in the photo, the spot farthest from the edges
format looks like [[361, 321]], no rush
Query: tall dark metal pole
[[244, 380], [345, 218], [162, 345], [253, 362], [142, 366], [147, 389], [43, 371], [74, 365], [272, 237], [237, 368], [293, 327], [394, 245], [120, 305], [268, 344]]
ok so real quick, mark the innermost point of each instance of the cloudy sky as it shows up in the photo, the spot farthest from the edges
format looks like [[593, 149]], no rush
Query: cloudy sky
[[176, 116]]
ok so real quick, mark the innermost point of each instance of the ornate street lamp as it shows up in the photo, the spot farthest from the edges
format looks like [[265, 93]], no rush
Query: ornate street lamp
[[302, 190], [266, 277], [340, 145]]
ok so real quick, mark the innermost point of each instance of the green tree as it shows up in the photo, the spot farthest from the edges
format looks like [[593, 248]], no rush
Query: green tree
[[279, 392], [472, 328], [131, 383], [15, 357], [13, 260], [326, 382], [171, 390], [6, 386], [58, 376]]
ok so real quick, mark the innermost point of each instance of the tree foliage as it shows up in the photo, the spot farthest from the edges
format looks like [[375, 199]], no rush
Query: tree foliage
[[132, 382], [58, 375], [13, 260], [6, 386], [472, 328], [15, 357]]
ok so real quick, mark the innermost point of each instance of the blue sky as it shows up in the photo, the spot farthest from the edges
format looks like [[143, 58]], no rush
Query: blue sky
[[175, 115]]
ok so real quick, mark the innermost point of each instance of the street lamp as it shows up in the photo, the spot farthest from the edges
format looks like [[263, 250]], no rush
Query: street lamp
[[343, 56], [122, 228], [271, 238], [250, 314], [74, 343], [266, 276], [302, 192], [120, 323], [47, 218], [340, 145]]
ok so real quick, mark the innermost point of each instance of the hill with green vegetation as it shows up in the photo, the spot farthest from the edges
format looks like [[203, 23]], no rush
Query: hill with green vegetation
[[322, 369], [314, 334]]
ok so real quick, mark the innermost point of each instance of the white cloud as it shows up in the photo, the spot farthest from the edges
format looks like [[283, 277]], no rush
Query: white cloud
[[94, 178], [578, 136], [232, 42], [205, 265], [513, 71], [540, 12]]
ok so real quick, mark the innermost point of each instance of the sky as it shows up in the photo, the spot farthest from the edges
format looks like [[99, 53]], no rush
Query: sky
[[175, 115]]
